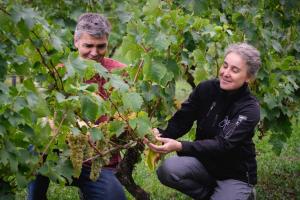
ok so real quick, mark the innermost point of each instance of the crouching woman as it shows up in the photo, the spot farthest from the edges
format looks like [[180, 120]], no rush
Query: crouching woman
[[220, 164]]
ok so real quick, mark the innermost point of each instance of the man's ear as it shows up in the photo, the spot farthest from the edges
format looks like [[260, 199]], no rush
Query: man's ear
[[76, 42]]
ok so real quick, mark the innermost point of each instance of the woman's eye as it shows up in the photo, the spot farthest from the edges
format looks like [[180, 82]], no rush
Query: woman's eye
[[235, 70]]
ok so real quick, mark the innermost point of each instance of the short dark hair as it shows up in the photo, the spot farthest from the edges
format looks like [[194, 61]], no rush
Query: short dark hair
[[93, 24]]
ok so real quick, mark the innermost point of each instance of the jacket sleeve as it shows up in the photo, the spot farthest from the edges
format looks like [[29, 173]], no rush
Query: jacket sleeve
[[238, 130], [183, 119]]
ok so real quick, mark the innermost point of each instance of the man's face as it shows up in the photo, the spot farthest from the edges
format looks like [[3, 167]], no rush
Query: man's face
[[233, 73], [90, 47]]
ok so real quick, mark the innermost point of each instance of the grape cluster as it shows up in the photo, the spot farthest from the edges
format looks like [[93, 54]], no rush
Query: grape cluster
[[119, 117], [96, 168], [77, 144], [88, 152], [99, 161], [151, 138]]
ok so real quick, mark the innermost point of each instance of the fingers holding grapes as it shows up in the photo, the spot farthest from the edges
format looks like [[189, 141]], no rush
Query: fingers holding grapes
[[150, 138], [162, 145], [168, 145]]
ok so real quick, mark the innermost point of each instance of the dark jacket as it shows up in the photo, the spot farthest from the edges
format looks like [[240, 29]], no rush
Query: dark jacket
[[225, 127]]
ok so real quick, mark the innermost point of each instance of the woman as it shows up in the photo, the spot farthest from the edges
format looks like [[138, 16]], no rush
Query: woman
[[220, 164]]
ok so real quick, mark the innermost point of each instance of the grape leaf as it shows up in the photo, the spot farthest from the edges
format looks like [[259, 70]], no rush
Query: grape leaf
[[151, 159], [116, 127], [132, 101], [96, 134], [154, 69], [89, 108]]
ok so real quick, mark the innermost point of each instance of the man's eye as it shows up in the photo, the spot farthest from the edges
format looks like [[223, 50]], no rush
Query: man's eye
[[88, 46], [101, 46]]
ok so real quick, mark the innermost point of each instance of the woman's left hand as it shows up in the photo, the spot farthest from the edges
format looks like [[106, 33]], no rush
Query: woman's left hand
[[168, 146]]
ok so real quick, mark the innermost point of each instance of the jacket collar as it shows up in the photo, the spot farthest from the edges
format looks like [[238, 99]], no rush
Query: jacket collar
[[233, 95]]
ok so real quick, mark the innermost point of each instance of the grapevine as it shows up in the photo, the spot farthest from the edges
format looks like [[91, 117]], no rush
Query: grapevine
[[77, 144], [99, 162], [169, 40]]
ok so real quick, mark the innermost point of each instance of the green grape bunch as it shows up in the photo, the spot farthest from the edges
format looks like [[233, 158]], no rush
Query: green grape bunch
[[99, 162], [77, 144], [88, 152], [96, 168]]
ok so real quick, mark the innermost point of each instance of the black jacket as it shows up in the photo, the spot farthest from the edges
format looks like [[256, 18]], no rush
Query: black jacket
[[225, 127]]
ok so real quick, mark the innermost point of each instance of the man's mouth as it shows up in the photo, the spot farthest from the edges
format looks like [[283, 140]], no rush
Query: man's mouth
[[93, 58]]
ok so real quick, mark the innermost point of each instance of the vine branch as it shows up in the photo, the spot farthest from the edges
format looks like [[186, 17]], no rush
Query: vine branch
[[145, 48], [138, 71], [216, 60], [114, 105], [44, 63], [56, 132], [52, 65], [3, 10], [126, 146], [95, 148]]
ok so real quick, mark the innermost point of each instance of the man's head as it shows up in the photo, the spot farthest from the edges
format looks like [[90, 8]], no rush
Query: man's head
[[91, 36]]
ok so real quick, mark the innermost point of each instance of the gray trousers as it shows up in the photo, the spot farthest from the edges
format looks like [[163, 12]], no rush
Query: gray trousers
[[189, 176]]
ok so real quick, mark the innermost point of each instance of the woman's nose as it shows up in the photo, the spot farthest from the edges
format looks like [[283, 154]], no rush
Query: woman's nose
[[226, 72]]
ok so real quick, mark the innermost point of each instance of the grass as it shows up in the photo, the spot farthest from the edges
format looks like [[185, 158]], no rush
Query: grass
[[278, 176], [148, 181]]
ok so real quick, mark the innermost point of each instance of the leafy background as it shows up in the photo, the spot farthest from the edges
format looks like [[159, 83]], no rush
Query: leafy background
[[169, 46]]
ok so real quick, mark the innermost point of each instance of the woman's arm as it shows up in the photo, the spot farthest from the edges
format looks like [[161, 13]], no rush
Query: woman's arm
[[183, 119], [240, 128]]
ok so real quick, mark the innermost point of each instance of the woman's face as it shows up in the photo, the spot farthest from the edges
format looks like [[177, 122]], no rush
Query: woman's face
[[233, 73]]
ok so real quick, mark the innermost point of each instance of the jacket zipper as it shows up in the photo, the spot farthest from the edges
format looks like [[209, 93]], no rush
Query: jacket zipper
[[215, 120], [211, 107], [248, 178]]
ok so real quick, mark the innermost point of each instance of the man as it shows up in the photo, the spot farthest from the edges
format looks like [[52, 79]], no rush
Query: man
[[91, 40]]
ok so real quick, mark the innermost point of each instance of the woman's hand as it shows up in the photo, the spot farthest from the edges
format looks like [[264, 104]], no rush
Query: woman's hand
[[168, 145], [151, 138]]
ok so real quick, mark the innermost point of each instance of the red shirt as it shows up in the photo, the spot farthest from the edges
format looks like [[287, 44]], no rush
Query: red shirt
[[110, 65]]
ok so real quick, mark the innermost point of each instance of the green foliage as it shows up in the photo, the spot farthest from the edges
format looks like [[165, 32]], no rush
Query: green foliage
[[161, 41], [273, 173]]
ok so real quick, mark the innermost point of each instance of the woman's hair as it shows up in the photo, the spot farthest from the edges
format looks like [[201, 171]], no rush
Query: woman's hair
[[93, 24], [249, 53]]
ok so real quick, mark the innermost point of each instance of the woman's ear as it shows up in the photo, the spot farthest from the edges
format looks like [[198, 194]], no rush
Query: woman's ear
[[250, 80]]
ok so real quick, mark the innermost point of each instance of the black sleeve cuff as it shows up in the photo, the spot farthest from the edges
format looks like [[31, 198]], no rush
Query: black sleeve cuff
[[185, 150], [162, 132]]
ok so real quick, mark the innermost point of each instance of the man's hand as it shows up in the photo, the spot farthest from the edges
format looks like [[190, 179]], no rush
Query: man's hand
[[169, 145]]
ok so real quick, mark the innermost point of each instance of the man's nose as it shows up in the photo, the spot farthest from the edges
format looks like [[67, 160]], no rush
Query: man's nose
[[94, 52]]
